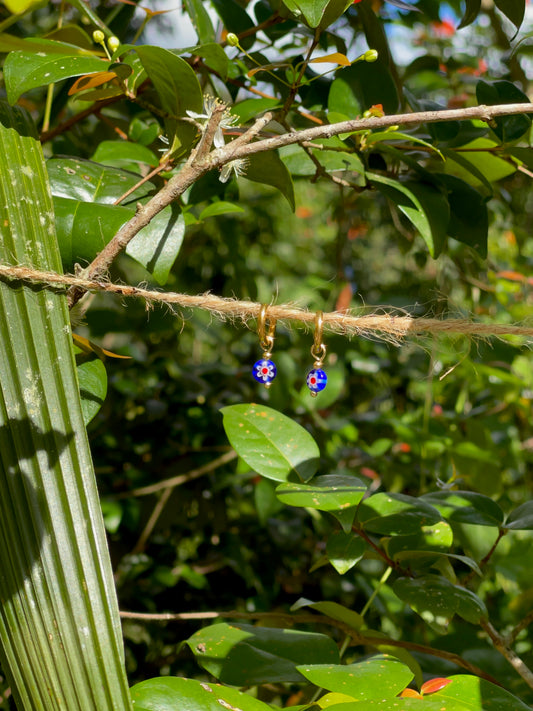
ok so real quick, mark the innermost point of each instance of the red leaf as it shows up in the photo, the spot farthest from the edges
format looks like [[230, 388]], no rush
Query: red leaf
[[433, 685]]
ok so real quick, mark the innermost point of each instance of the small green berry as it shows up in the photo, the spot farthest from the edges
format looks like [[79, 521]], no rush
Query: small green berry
[[370, 55], [113, 43], [98, 36], [232, 39]]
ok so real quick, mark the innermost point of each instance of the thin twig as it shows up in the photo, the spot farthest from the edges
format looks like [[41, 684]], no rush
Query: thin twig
[[358, 637], [502, 645]]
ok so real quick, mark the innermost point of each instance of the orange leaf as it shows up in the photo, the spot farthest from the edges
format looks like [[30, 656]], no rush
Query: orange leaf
[[433, 685], [335, 58], [410, 694], [344, 298], [89, 81]]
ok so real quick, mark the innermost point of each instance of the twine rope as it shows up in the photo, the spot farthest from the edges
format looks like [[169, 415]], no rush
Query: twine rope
[[390, 325]]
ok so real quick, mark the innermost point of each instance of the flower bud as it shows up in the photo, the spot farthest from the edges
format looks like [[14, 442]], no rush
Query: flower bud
[[113, 43], [98, 36], [370, 55], [232, 39]]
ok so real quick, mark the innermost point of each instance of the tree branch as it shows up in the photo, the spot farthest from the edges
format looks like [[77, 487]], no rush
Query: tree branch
[[201, 161], [505, 650]]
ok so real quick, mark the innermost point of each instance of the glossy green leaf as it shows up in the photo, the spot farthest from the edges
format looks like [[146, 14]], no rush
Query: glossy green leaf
[[524, 155], [395, 514], [333, 11], [268, 168], [469, 220], [466, 507], [200, 20], [271, 443], [333, 610], [425, 206], [507, 128], [84, 228], [250, 109], [125, 155], [475, 694], [178, 90], [372, 84], [331, 492], [172, 693], [27, 69], [374, 678], [344, 550], [514, 10], [91, 182], [521, 519], [213, 55], [243, 655], [391, 136], [59, 621], [219, 208], [235, 19], [436, 600], [478, 162], [92, 378], [342, 102], [472, 8], [436, 538], [157, 245]]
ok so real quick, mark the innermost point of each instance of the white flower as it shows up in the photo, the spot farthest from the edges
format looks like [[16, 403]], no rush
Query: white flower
[[227, 121], [239, 166]]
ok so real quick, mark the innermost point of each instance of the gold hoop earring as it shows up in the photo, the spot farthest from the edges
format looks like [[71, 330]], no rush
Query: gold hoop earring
[[317, 378], [264, 370]]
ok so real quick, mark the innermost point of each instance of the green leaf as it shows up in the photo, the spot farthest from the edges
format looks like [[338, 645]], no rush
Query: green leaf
[[242, 655], [200, 20], [178, 90], [480, 163], [271, 443], [342, 102], [84, 228], [253, 108], [374, 678], [344, 550], [507, 128], [475, 694], [92, 377], [425, 206], [91, 182], [521, 519], [25, 70], [331, 492], [333, 610], [219, 208], [157, 245], [372, 84], [472, 8], [466, 507], [213, 55], [395, 514], [268, 168], [171, 693], [436, 600], [514, 10], [59, 621], [235, 19], [125, 155], [436, 538], [469, 220]]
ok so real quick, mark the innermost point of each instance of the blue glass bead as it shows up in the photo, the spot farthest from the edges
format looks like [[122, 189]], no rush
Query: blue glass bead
[[264, 371], [316, 380]]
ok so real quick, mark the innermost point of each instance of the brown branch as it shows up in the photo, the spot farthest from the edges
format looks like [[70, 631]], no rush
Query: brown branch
[[359, 638], [502, 645], [202, 161], [522, 625], [180, 478]]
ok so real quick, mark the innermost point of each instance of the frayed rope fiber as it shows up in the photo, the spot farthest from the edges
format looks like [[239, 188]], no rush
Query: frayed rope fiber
[[384, 325]]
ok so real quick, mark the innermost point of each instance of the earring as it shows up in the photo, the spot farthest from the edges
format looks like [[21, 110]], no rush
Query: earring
[[317, 378], [264, 370]]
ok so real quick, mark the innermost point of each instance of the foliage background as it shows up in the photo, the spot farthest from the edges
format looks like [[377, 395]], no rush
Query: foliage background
[[411, 417]]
